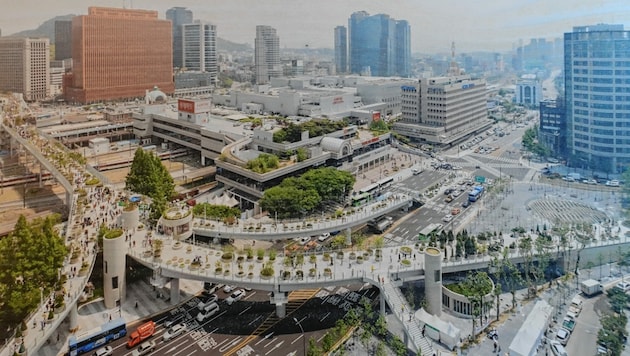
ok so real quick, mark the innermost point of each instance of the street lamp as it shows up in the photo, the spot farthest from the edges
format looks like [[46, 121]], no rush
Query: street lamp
[[297, 322]]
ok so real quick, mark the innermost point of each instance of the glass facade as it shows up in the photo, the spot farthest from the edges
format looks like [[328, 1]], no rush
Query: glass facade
[[199, 41], [341, 49], [179, 16], [379, 45], [597, 82]]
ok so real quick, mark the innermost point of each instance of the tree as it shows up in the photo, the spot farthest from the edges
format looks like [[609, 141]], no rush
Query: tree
[[313, 349], [289, 201], [525, 247], [475, 287], [31, 257], [148, 176]]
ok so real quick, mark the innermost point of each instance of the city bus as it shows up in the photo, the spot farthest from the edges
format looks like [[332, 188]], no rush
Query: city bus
[[431, 228], [375, 188], [93, 339], [361, 199], [475, 194]]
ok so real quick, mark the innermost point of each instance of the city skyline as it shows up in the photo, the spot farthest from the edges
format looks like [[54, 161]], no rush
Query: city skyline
[[478, 26]]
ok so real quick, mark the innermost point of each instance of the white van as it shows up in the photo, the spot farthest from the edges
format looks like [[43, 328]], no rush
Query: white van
[[207, 312], [576, 306]]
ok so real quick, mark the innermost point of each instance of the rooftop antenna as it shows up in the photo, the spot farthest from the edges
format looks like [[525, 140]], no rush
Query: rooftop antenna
[[454, 68]]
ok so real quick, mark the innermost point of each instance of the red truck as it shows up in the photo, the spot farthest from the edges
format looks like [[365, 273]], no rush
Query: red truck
[[143, 332]]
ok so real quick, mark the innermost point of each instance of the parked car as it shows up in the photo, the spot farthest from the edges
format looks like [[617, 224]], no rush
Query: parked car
[[455, 211], [323, 237], [235, 297], [563, 336], [448, 199], [174, 331], [557, 349], [228, 288], [104, 351], [144, 348]]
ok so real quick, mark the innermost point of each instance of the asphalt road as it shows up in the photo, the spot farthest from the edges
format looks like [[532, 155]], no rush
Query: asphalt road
[[230, 331]]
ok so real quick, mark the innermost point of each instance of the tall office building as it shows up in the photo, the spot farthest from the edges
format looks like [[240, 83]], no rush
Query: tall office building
[[341, 49], [179, 16], [199, 41], [266, 54], [379, 45], [25, 66], [553, 126], [597, 96], [443, 110], [119, 54], [63, 40]]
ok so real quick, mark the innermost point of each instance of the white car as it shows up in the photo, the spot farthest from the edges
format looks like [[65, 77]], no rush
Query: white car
[[213, 298], [304, 240], [557, 349], [174, 331], [144, 348], [235, 297], [104, 351], [323, 237], [623, 286], [447, 218], [228, 288], [563, 336]]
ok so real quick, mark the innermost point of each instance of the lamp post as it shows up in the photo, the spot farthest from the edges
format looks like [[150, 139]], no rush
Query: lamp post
[[297, 322]]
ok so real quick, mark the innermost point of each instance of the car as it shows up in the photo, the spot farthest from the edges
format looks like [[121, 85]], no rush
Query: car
[[213, 298], [304, 240], [612, 183], [144, 348], [455, 211], [104, 351], [323, 237], [174, 331], [623, 286], [207, 312], [228, 288], [416, 171], [448, 191], [563, 336], [557, 349], [235, 297], [465, 204], [447, 218], [173, 320], [448, 199]]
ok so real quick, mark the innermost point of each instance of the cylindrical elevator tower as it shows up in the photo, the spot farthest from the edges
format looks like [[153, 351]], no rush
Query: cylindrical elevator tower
[[114, 253], [433, 280]]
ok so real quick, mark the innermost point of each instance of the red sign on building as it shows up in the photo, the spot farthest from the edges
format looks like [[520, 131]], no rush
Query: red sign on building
[[186, 106]]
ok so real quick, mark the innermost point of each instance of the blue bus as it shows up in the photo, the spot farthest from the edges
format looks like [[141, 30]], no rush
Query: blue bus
[[96, 338], [475, 194]]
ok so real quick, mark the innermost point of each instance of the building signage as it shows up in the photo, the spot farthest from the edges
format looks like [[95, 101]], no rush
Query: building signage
[[186, 106], [468, 86], [370, 141], [338, 100], [408, 88], [193, 106], [376, 116]]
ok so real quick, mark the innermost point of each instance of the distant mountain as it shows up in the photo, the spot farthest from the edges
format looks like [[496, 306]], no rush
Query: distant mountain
[[46, 29], [229, 46]]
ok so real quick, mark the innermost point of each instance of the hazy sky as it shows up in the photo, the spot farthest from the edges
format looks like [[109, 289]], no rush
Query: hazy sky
[[474, 25]]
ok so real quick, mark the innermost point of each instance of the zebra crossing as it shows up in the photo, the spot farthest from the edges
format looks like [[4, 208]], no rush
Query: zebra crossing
[[566, 211]]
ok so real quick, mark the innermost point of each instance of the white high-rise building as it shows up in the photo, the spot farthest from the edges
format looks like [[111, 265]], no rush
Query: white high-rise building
[[199, 43], [267, 54], [25, 64]]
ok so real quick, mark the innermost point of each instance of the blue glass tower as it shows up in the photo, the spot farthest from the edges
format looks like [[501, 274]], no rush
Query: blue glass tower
[[597, 92], [379, 45]]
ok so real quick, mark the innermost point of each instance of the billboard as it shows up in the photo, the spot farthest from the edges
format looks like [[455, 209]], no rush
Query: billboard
[[193, 106]]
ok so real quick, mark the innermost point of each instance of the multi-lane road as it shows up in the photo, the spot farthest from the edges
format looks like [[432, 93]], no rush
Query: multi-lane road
[[250, 327]]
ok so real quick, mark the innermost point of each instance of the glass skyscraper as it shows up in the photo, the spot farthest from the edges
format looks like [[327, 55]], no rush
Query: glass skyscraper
[[199, 43], [341, 49], [379, 45], [179, 16], [597, 92]]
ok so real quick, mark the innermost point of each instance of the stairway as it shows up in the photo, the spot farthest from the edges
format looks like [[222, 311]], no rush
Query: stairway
[[413, 329]]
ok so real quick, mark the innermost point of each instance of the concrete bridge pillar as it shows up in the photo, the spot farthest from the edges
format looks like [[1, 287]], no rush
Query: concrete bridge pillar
[[433, 280], [73, 317], [348, 237], [280, 299], [175, 291]]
